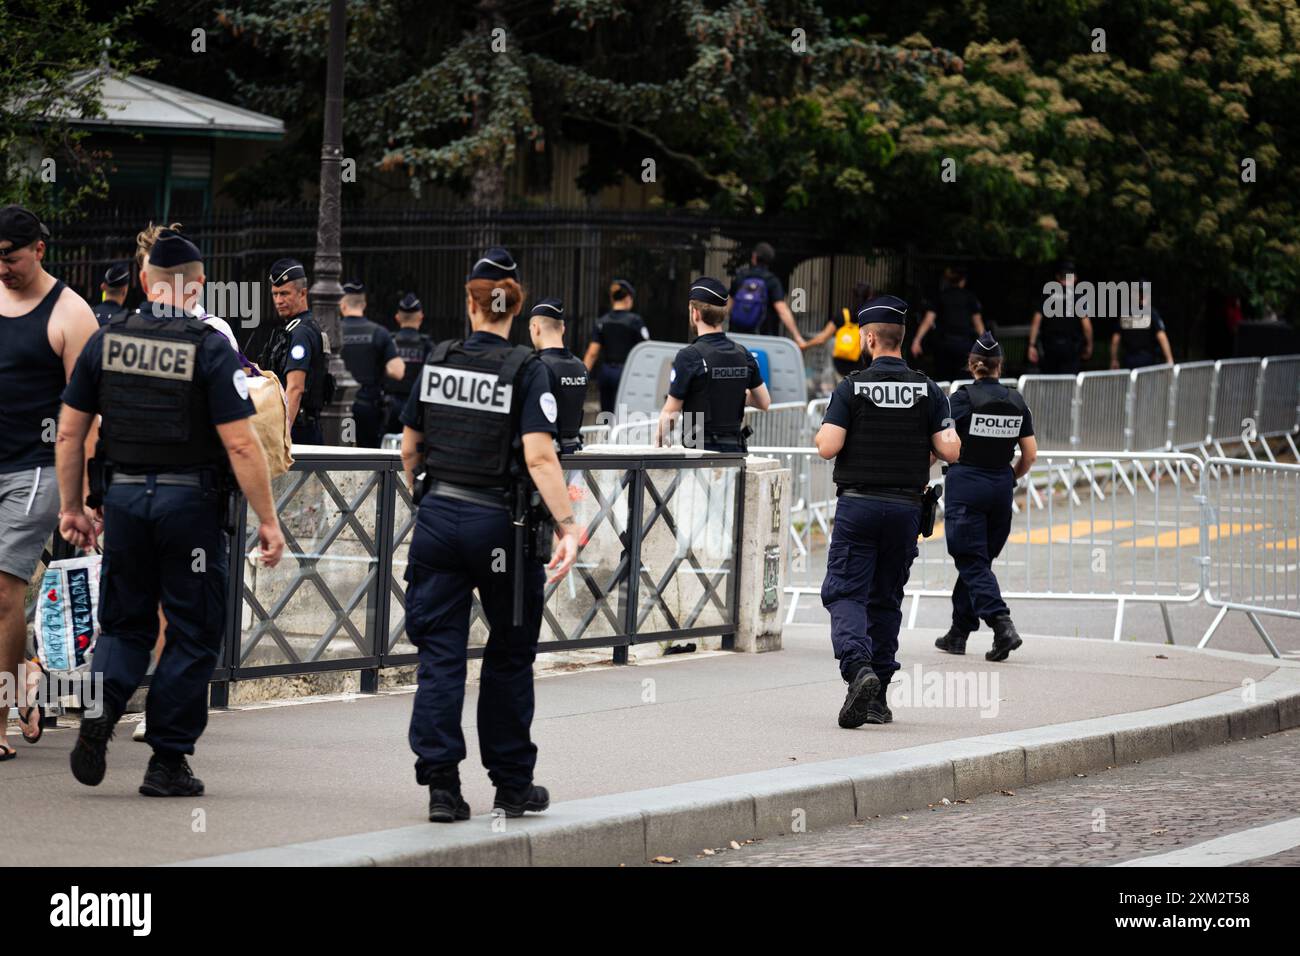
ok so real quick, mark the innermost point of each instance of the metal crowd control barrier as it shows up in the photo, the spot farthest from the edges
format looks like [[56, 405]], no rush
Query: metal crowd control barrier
[[658, 561], [1193, 392], [1278, 403], [1051, 400], [1250, 534], [1098, 549], [1233, 403]]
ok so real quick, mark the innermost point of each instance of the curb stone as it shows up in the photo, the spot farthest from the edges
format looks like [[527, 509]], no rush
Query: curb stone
[[678, 820]]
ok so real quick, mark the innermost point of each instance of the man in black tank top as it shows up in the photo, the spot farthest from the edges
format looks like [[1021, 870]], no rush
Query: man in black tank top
[[712, 379], [117, 281], [43, 327]]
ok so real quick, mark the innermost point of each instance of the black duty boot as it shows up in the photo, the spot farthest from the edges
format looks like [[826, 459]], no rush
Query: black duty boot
[[515, 803], [878, 711], [89, 754], [954, 642], [862, 691], [1005, 638], [170, 778], [446, 805]]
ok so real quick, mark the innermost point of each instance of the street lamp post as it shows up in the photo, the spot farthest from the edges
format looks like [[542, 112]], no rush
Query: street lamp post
[[326, 290]]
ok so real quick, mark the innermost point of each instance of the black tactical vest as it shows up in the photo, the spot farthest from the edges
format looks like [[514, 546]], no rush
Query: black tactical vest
[[990, 433], [719, 394], [108, 310], [888, 442], [360, 356], [413, 349], [471, 413], [154, 402], [620, 330], [569, 383], [1137, 333], [275, 355]]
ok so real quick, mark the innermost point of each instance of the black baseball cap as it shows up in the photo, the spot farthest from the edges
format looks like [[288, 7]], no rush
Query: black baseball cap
[[20, 227]]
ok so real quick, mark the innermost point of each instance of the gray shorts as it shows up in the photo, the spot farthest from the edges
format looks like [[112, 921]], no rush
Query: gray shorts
[[29, 514]]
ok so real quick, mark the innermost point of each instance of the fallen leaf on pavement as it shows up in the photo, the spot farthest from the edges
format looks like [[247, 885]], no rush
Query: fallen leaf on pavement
[[664, 859]]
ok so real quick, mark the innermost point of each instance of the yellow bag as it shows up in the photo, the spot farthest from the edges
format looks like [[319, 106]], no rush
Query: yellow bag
[[270, 421], [848, 340]]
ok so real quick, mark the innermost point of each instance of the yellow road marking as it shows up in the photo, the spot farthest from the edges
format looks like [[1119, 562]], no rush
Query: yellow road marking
[[1076, 531], [1185, 536]]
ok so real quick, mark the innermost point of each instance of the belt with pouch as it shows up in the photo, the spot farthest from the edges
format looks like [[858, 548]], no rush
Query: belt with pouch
[[474, 496]]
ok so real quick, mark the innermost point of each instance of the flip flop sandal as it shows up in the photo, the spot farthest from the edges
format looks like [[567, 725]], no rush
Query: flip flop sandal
[[7, 753], [26, 718]]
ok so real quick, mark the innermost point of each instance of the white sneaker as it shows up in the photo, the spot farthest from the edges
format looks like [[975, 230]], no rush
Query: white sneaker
[[138, 733]]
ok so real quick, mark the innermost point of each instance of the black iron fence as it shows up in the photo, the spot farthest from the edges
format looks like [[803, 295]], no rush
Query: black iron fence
[[659, 561], [571, 254]]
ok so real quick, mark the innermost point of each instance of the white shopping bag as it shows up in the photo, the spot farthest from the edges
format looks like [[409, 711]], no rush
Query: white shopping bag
[[67, 613]]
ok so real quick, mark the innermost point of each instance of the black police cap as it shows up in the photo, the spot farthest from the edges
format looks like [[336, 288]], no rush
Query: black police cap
[[173, 249], [548, 309], [117, 275], [409, 303], [496, 263], [986, 347], [20, 227], [286, 270], [708, 289], [1065, 267], [884, 308], [626, 287], [354, 287]]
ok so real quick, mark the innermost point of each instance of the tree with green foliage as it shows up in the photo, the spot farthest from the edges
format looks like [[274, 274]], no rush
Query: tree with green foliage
[[50, 53]]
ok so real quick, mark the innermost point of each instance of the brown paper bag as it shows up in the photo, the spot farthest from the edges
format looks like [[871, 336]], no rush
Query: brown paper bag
[[271, 420]]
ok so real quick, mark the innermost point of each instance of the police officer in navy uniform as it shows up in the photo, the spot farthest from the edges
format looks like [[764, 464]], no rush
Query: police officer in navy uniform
[[712, 379], [295, 352], [956, 317], [1059, 343], [175, 408], [480, 423], [616, 332], [884, 426], [117, 281], [568, 373], [412, 348], [1142, 335], [371, 357], [992, 421]]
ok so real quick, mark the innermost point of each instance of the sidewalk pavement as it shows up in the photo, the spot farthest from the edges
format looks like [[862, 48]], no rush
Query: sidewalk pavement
[[634, 756]]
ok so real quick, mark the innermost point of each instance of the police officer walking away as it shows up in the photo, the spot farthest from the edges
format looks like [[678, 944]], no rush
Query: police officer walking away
[[1143, 336], [616, 332], [1059, 342], [175, 407], [568, 374], [117, 280], [371, 356], [992, 421], [712, 379], [480, 424], [882, 427], [956, 317], [412, 348], [295, 352]]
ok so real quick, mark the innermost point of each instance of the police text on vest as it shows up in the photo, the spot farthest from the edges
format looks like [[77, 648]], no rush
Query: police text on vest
[[157, 358], [891, 394], [995, 426], [461, 388]]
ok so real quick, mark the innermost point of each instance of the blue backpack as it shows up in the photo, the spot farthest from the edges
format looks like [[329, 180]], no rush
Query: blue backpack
[[749, 305]]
